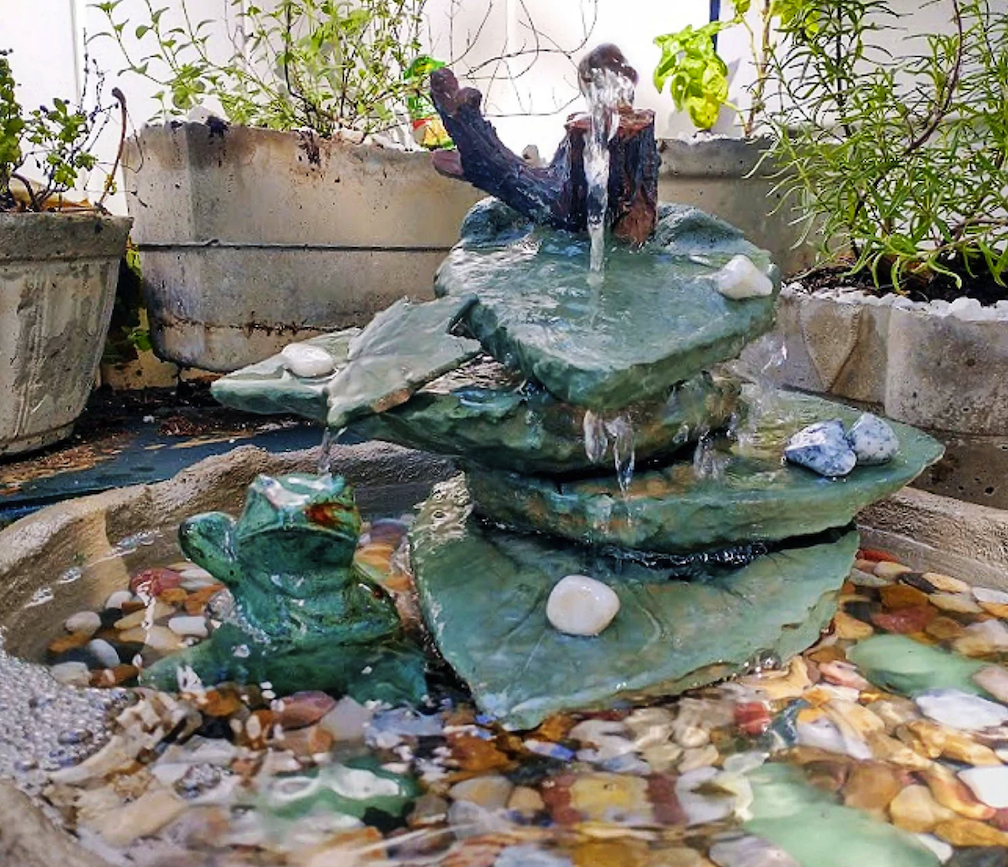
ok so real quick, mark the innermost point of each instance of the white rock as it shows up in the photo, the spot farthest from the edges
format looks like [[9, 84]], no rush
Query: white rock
[[579, 605], [117, 599], [195, 578], [186, 625], [303, 359], [989, 784], [902, 302], [824, 734], [750, 852], [872, 440], [104, 652], [347, 721], [960, 710], [701, 808], [964, 308], [740, 278], [87, 622], [986, 594], [71, 673], [940, 306], [607, 736]]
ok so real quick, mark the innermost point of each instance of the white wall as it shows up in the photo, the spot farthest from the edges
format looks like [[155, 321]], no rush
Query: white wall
[[48, 40]]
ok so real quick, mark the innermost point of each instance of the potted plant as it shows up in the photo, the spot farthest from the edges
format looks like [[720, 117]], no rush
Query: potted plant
[[728, 175], [900, 162], [294, 214], [58, 265]]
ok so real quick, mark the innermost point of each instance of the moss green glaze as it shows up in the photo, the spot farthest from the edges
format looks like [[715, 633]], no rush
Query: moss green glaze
[[653, 319], [815, 830], [748, 494], [483, 593], [484, 413], [401, 350], [305, 617]]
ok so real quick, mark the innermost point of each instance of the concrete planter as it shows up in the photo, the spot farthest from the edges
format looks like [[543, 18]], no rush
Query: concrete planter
[[251, 239], [58, 275], [718, 175], [938, 366]]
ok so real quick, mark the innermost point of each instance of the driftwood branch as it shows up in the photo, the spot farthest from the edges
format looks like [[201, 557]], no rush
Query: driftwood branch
[[557, 194]]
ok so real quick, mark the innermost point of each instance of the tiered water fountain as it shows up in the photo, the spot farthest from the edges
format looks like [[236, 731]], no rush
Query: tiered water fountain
[[635, 516], [627, 524]]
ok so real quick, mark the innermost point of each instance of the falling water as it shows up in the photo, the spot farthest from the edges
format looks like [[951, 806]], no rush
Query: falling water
[[606, 87], [325, 458], [622, 432]]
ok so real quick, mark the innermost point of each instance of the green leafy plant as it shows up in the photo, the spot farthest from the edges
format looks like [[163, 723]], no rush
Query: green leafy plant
[[58, 141], [696, 74], [900, 164], [322, 65]]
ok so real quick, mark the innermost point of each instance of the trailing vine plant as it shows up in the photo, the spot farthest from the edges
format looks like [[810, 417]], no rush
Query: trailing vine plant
[[44, 153], [900, 164]]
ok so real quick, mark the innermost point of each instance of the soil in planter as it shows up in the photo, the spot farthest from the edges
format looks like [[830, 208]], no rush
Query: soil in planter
[[981, 286]]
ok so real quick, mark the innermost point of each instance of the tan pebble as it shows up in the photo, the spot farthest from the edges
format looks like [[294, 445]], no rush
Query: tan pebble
[[994, 679], [998, 609], [865, 566], [67, 642], [308, 741], [949, 791], [146, 815], [945, 583], [258, 727], [698, 758], [429, 809], [913, 809], [957, 603], [602, 797], [897, 596], [848, 627], [944, 628], [872, 785], [966, 832], [526, 802], [173, 595], [198, 599], [107, 677], [894, 711], [888, 749], [662, 756], [890, 571], [491, 791], [144, 615], [781, 685], [678, 856], [933, 740], [982, 638], [610, 853]]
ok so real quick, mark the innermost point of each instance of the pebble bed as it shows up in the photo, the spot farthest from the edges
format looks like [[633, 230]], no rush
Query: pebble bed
[[236, 775]]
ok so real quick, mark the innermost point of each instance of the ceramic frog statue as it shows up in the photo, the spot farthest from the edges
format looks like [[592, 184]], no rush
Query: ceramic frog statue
[[305, 617]]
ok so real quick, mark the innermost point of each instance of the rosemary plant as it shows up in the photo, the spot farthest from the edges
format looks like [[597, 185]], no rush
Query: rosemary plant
[[899, 163]]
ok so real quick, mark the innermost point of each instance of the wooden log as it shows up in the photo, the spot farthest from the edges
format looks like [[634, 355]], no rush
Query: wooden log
[[554, 195]]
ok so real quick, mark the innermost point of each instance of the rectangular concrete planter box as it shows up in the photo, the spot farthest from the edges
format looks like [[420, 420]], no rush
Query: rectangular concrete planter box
[[719, 175], [58, 276], [251, 238], [936, 367]]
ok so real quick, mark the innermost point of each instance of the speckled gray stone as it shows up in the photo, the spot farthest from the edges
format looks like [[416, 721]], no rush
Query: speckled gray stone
[[823, 448], [872, 440]]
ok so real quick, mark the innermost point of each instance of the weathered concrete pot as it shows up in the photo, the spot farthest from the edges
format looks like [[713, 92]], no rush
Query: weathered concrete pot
[[719, 175], [251, 238], [937, 367], [58, 275]]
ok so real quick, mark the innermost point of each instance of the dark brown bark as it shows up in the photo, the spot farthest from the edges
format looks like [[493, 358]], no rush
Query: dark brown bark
[[557, 194]]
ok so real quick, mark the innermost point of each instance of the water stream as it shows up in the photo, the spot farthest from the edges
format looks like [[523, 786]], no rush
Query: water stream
[[606, 90]]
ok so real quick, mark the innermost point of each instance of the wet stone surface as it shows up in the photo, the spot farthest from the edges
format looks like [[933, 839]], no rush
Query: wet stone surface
[[884, 743]]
